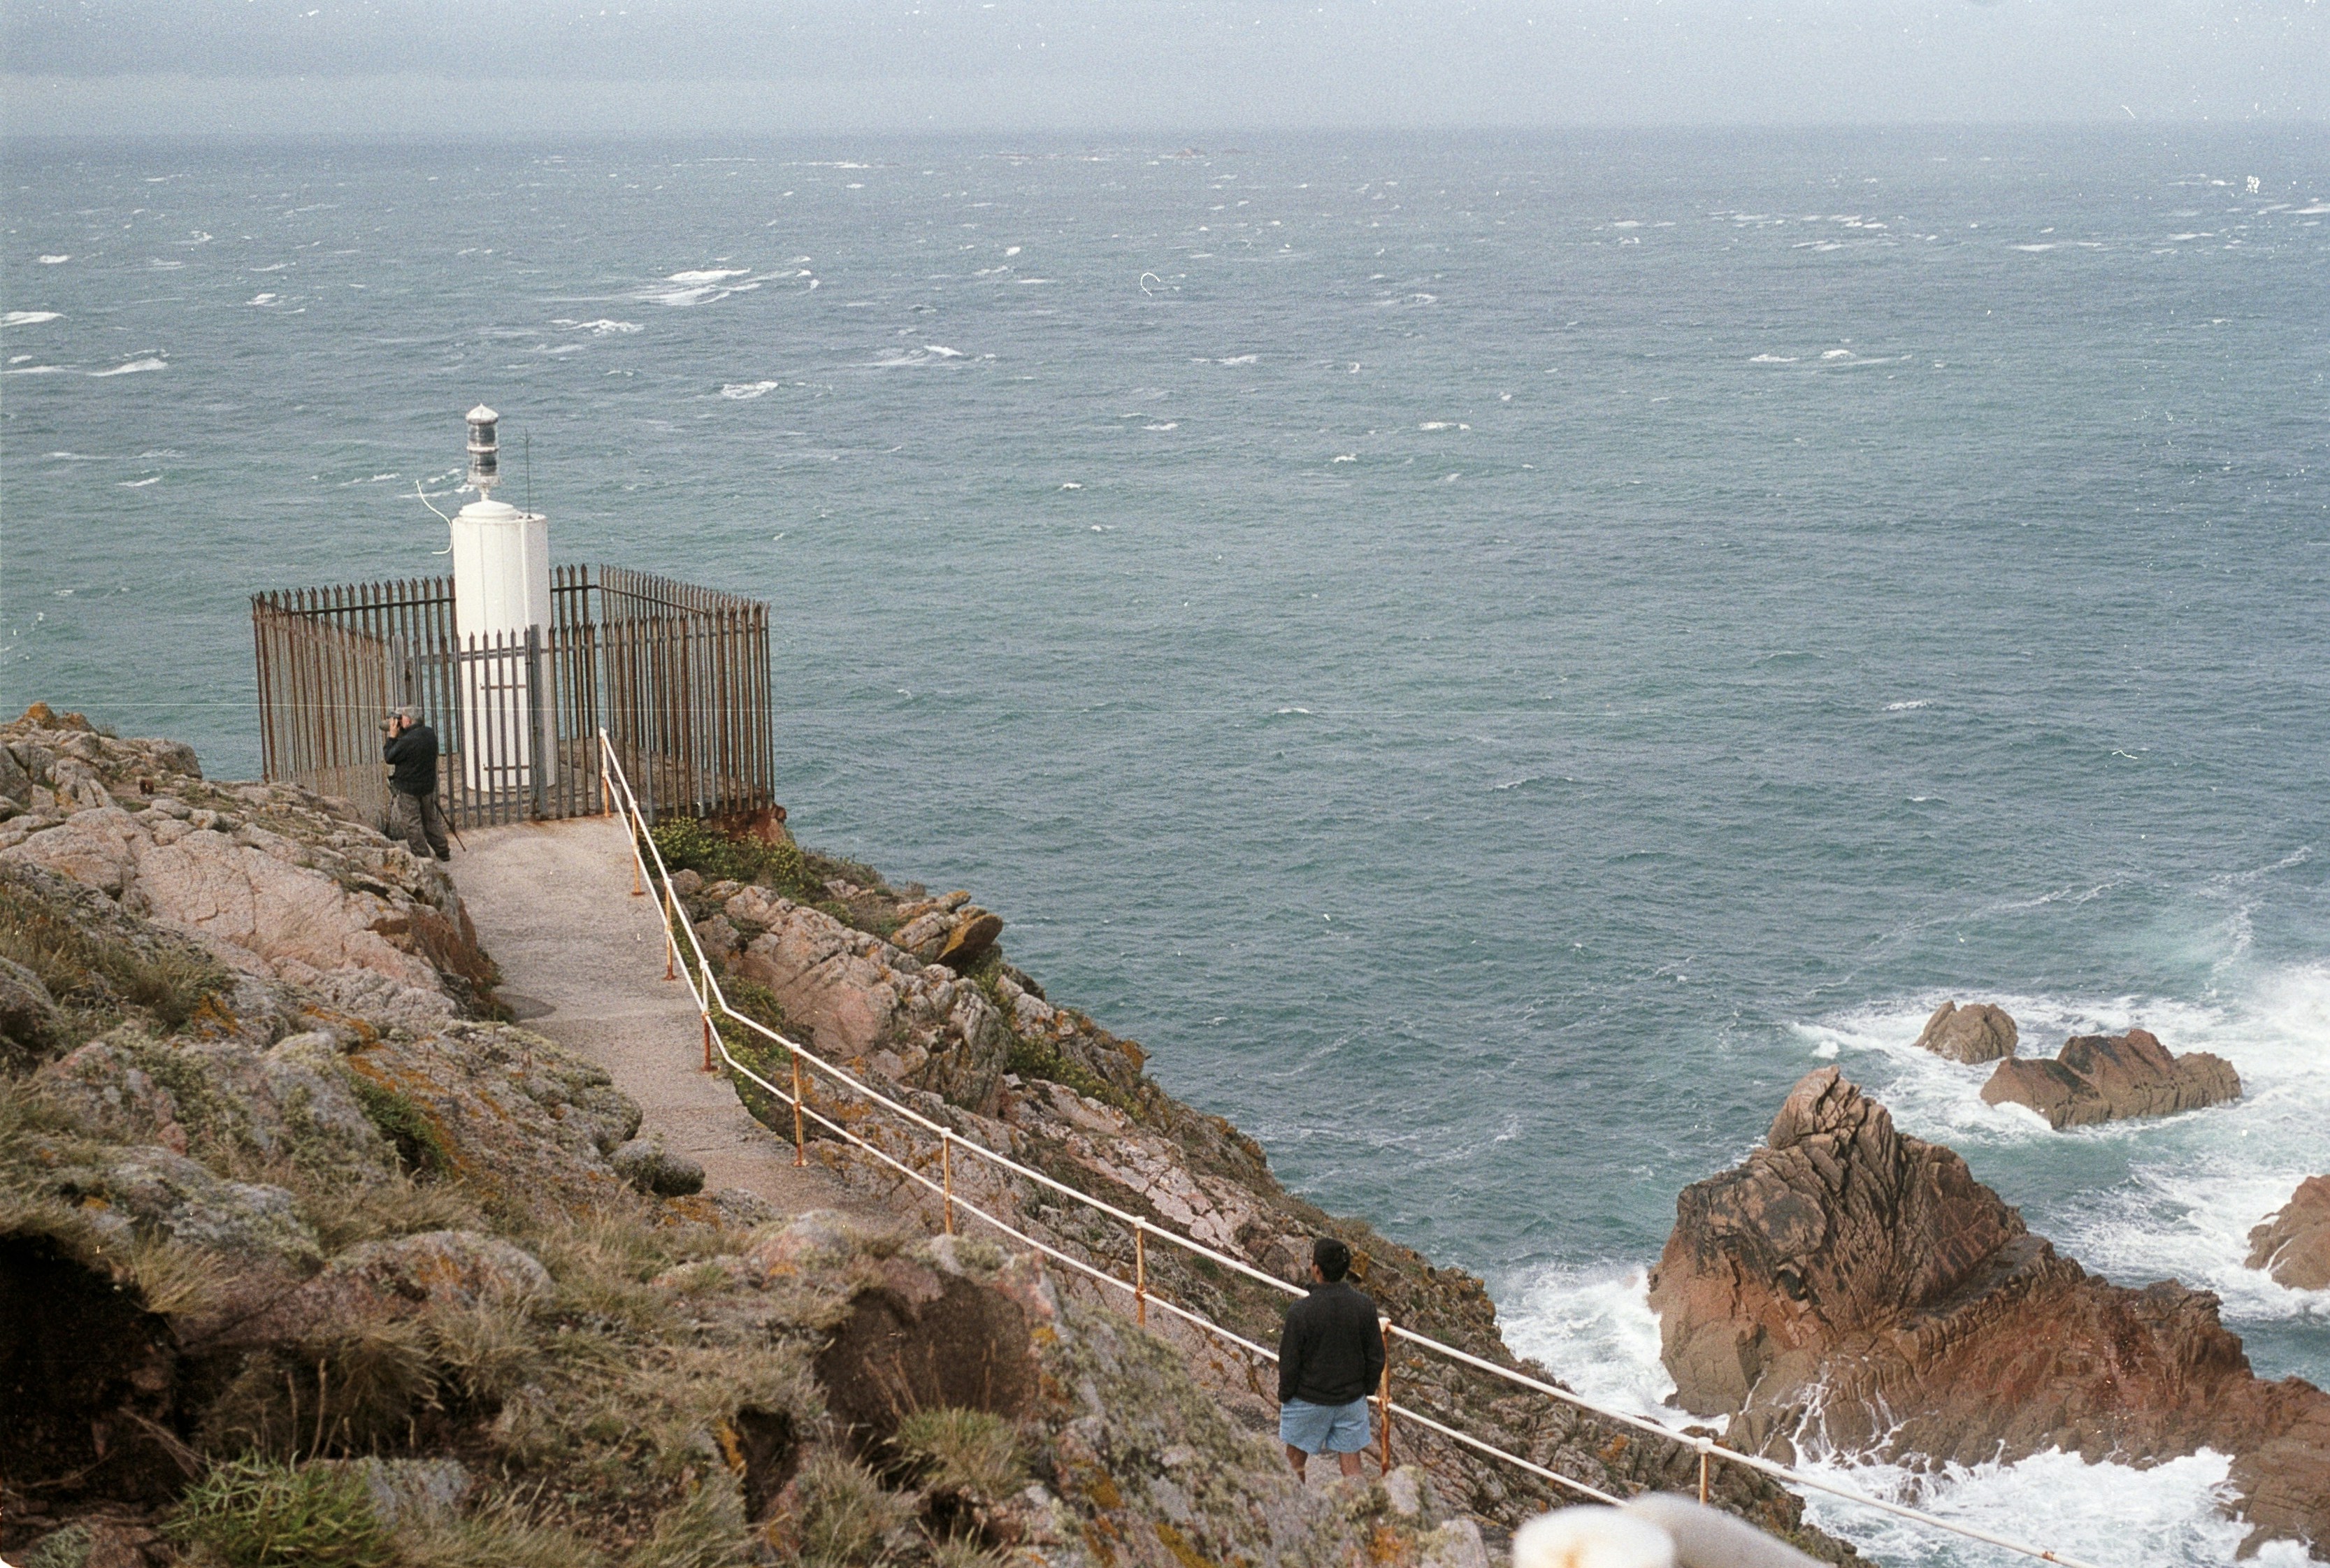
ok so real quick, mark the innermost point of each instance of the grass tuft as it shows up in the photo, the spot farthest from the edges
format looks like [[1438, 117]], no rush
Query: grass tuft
[[848, 1520], [501, 1534], [256, 1513], [970, 1452], [704, 1529]]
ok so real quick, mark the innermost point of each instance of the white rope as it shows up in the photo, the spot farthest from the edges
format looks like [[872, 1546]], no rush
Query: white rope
[[708, 997]]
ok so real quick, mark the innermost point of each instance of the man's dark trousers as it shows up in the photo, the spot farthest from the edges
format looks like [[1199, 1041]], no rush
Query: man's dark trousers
[[420, 821]]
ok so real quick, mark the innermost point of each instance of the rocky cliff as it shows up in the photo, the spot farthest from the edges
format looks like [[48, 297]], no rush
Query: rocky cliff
[[1850, 1287], [307, 1257], [830, 954]]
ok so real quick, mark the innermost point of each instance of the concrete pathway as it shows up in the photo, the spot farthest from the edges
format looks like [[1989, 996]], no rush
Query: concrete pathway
[[551, 904]]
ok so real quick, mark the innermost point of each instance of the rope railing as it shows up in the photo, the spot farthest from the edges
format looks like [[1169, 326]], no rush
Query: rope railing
[[704, 989]]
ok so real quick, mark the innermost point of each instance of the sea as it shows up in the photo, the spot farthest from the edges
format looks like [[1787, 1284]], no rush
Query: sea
[[1492, 655]]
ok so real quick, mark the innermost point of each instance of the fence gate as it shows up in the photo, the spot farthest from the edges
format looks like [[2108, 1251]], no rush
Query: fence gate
[[677, 675]]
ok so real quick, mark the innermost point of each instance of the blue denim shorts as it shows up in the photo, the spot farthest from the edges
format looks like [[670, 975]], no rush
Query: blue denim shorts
[[1324, 1429]]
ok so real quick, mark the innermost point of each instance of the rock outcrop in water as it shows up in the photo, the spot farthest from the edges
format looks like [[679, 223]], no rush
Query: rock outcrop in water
[[1975, 1033], [1853, 1288], [2293, 1244], [2105, 1077]]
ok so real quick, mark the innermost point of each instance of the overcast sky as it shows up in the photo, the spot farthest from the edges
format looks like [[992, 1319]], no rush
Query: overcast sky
[[629, 67]]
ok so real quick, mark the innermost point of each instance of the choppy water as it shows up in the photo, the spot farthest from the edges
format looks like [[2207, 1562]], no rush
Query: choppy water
[[1490, 657]]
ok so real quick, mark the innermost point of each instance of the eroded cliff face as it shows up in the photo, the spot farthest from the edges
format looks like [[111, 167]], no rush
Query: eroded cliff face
[[1852, 1287], [986, 1052]]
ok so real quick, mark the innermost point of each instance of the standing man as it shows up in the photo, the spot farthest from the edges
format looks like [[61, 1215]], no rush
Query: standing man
[[413, 814], [1329, 1360]]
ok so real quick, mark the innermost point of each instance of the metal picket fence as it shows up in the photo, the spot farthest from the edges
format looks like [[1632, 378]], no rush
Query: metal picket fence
[[806, 1068], [676, 676]]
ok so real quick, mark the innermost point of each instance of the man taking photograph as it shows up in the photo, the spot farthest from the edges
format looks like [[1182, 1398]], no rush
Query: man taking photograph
[[413, 813]]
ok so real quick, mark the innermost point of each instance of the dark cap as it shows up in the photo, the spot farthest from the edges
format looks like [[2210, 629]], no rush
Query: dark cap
[[1333, 1258]]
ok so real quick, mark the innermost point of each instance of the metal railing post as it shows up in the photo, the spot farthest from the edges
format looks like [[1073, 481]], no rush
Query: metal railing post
[[670, 937], [800, 1144], [946, 1175], [1385, 1466], [707, 1041], [1703, 1447], [1141, 1273]]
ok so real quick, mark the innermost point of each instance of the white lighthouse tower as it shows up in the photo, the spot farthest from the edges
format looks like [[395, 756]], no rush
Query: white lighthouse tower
[[501, 592]]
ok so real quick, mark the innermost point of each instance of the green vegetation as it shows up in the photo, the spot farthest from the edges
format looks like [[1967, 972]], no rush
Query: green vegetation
[[688, 844], [419, 1146], [848, 1519], [253, 1512], [970, 1452]]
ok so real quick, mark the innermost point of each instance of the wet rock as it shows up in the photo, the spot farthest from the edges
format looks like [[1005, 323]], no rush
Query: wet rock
[[1977, 1032], [653, 1170], [2098, 1078], [1853, 1283], [2293, 1244]]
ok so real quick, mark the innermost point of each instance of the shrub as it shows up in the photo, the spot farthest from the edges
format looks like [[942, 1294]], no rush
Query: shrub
[[967, 1451], [256, 1513]]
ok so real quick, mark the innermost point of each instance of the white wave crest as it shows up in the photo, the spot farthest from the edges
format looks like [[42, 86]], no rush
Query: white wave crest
[[132, 368], [29, 317], [744, 391]]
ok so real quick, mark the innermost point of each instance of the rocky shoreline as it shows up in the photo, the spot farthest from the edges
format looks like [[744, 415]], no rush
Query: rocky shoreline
[[1851, 1287], [299, 1233]]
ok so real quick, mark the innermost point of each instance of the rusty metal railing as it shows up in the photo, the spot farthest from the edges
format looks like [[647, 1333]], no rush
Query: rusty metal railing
[[704, 987]]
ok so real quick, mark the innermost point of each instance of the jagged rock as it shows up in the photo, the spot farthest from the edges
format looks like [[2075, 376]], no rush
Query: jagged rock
[[2105, 1077], [1977, 1032], [293, 1101], [812, 1241], [658, 1171], [274, 879], [974, 933], [1854, 1283], [2293, 1244], [855, 995], [126, 1190], [505, 1109]]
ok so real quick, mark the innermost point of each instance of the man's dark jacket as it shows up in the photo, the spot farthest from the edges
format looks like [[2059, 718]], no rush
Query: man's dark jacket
[[1332, 1351], [412, 759]]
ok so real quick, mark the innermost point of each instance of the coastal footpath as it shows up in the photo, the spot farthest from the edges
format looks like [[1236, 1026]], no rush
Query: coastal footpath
[[309, 1253]]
